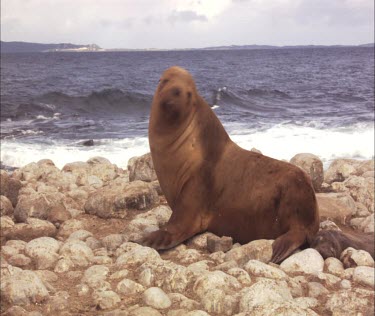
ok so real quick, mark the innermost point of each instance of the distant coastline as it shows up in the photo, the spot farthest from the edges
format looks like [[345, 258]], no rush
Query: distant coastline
[[27, 47]]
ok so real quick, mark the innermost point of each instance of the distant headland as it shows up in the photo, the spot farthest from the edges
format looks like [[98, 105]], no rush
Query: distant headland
[[27, 47]]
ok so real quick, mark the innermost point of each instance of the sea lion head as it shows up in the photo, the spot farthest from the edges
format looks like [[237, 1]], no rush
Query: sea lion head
[[175, 98]]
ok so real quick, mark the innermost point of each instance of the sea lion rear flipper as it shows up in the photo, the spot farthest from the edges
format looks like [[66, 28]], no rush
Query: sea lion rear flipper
[[285, 244]]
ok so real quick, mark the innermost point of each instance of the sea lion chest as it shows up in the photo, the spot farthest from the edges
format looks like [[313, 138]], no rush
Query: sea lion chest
[[176, 160]]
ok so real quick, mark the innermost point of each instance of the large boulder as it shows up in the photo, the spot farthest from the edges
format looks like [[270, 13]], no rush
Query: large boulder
[[142, 168], [115, 200], [312, 165], [23, 287], [33, 228], [215, 280], [38, 205], [365, 224], [6, 207], [36, 171], [264, 292], [103, 168], [338, 207], [362, 190], [156, 298], [148, 221], [260, 269], [308, 261], [70, 226], [258, 249], [136, 257], [9, 187], [43, 251], [364, 275], [6, 225], [350, 302], [341, 169], [169, 276], [90, 172], [45, 172], [77, 252]]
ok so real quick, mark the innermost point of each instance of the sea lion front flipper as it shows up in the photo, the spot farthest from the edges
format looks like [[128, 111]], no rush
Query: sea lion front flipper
[[160, 239], [165, 239], [285, 244], [181, 226]]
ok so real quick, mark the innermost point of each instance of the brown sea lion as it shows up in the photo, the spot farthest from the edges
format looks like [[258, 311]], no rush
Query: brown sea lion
[[331, 243], [211, 184]]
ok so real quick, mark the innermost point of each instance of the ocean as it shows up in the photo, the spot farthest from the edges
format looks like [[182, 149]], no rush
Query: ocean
[[280, 101]]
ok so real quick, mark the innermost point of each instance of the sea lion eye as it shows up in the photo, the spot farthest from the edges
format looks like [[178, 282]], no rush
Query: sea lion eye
[[162, 82]]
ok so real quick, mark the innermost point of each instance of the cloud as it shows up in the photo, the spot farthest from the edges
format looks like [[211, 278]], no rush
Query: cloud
[[150, 19], [186, 16], [334, 12], [121, 24], [196, 23]]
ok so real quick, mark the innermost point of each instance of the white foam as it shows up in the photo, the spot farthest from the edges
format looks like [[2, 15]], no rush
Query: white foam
[[49, 106], [56, 116], [16, 154], [42, 117], [285, 141], [31, 132], [281, 142]]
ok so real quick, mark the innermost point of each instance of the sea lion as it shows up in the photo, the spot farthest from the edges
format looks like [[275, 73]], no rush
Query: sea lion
[[211, 184], [331, 243]]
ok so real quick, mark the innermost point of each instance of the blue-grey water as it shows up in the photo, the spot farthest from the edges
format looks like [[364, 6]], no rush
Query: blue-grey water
[[281, 101]]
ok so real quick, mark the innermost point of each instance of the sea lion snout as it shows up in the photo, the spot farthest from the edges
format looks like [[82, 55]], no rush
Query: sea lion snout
[[170, 97], [174, 99]]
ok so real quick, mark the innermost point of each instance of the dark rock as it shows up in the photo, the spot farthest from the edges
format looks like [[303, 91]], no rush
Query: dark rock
[[89, 142], [9, 187], [6, 207], [7, 168], [215, 243]]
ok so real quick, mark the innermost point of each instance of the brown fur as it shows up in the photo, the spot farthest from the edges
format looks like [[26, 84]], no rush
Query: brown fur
[[212, 184], [331, 243]]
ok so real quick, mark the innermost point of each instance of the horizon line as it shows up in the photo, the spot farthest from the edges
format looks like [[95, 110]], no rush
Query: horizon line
[[187, 48]]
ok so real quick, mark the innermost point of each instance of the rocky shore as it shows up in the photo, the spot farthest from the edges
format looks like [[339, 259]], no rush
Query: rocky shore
[[66, 249]]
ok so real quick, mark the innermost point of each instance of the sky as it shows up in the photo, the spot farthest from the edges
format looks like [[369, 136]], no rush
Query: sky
[[167, 24]]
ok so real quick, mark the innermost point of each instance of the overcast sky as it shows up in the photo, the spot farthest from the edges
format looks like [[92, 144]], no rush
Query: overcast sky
[[188, 23]]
